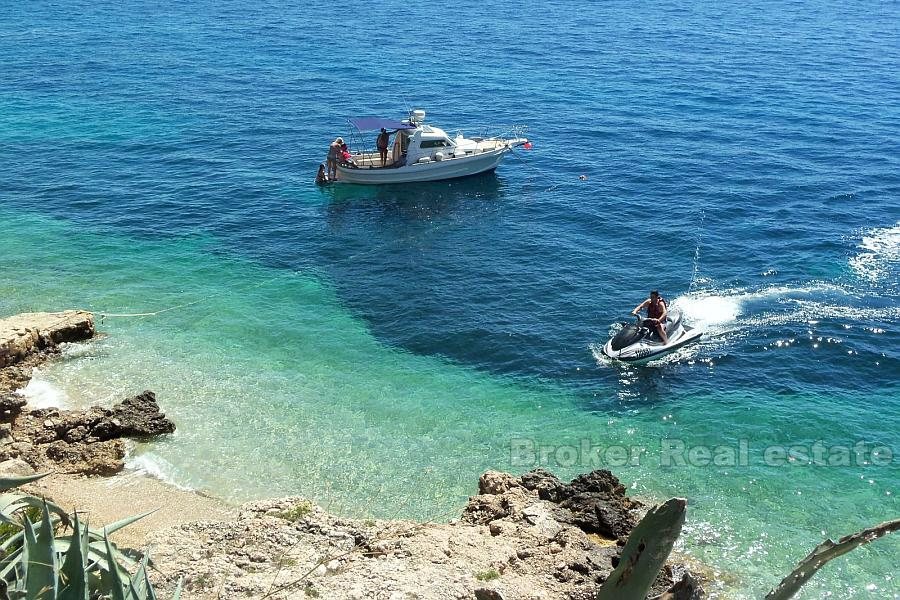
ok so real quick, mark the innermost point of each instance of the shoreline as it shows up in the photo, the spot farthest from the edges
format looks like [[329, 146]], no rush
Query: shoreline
[[531, 536], [106, 499], [96, 484]]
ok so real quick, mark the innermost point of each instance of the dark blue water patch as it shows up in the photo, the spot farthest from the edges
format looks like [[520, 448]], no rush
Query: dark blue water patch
[[717, 142]]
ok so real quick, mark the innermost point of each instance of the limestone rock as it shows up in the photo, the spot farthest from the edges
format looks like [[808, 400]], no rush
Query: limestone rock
[[685, 588], [545, 525], [545, 483], [485, 593], [595, 502], [485, 508], [15, 467], [29, 333], [11, 402], [496, 482], [100, 458], [508, 545], [85, 441]]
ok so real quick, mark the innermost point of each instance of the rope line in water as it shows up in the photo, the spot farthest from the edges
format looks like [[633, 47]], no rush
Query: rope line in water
[[104, 315], [148, 314]]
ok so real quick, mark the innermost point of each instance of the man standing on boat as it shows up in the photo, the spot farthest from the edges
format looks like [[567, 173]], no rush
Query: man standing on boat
[[334, 155], [384, 140], [656, 314]]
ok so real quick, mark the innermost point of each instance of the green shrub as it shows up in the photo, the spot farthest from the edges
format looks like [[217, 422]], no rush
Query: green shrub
[[297, 511], [488, 575]]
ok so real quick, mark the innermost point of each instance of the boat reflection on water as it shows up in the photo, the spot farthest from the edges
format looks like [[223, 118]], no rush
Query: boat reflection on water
[[456, 199]]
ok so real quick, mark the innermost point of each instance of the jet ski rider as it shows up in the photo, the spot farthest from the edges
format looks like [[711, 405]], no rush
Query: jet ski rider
[[656, 314]]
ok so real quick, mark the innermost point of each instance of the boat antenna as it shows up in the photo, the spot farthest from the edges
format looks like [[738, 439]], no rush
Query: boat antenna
[[408, 109]]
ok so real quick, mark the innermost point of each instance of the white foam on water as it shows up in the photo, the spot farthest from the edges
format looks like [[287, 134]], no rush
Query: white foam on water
[[148, 463], [708, 311], [721, 311], [41, 393], [78, 349], [727, 315], [879, 254]]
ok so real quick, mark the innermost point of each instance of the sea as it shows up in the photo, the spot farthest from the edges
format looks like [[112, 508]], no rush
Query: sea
[[377, 348]]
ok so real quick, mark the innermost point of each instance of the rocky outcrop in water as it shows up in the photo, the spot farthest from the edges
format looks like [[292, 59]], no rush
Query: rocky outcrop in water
[[594, 502], [85, 441], [88, 441], [30, 333], [27, 340]]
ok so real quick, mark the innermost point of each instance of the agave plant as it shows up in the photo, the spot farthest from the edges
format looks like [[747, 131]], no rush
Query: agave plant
[[43, 562]]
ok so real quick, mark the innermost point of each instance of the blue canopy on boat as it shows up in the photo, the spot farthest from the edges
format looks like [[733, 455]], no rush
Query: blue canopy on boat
[[376, 123]]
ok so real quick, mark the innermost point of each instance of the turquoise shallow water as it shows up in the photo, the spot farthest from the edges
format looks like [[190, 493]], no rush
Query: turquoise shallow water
[[376, 349]]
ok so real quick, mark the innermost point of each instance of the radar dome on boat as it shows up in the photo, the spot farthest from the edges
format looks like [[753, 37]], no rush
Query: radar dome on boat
[[417, 116]]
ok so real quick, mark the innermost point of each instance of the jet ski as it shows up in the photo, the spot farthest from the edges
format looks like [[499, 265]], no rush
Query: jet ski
[[636, 343]]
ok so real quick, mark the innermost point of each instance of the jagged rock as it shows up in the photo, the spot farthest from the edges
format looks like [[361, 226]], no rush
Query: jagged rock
[[76, 434], [483, 509], [137, 416], [85, 441], [496, 482], [11, 402], [686, 588], [487, 594], [545, 483], [545, 525], [595, 502]]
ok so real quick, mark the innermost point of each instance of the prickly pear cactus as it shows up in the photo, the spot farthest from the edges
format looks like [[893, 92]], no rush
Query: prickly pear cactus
[[645, 552]]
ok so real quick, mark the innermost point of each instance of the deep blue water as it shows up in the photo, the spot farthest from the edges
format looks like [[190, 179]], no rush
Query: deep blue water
[[743, 158]]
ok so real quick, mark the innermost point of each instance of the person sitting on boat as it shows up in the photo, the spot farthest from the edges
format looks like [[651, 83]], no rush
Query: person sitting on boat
[[383, 142], [321, 176], [656, 314], [346, 157], [334, 155]]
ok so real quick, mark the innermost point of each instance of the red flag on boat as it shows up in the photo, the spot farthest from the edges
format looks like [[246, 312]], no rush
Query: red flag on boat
[[528, 145]]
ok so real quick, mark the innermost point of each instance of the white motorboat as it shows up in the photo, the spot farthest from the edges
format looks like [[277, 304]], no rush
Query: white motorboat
[[421, 152]]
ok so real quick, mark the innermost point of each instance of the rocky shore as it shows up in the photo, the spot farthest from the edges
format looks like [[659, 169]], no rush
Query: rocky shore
[[526, 537], [529, 537], [90, 441]]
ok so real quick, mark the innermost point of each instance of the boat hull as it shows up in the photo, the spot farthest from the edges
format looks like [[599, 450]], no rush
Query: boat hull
[[436, 170]]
